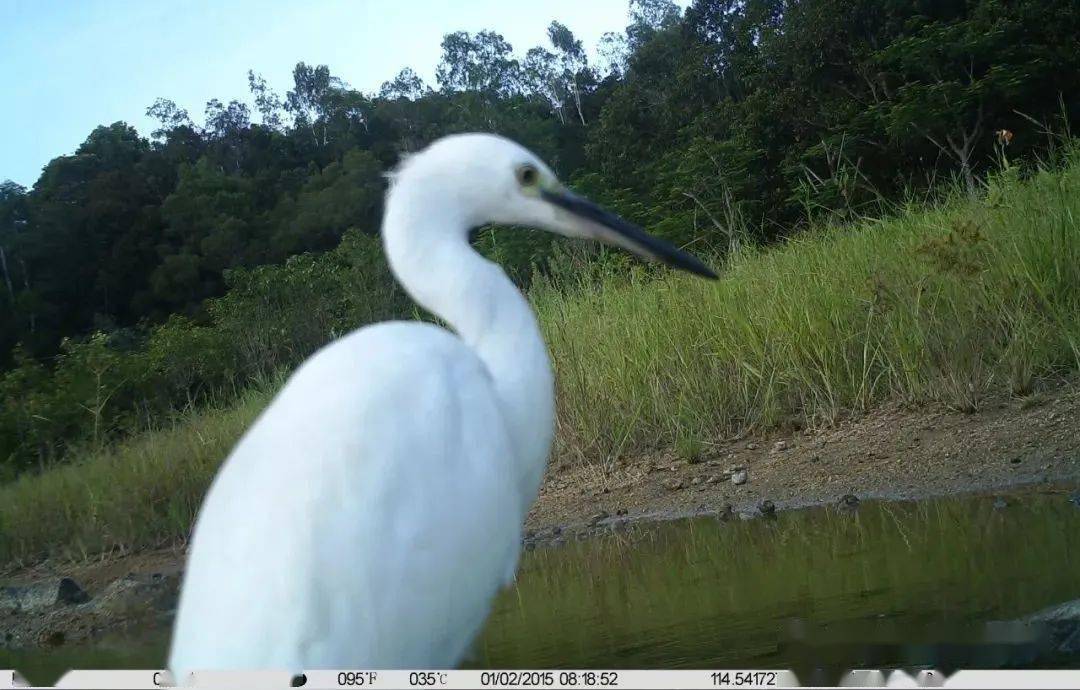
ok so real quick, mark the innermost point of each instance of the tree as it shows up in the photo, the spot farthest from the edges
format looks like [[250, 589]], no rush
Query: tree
[[210, 225], [224, 121], [306, 100], [953, 77], [342, 196], [226, 126], [13, 224], [572, 63], [648, 17], [541, 78], [267, 102], [613, 51], [324, 106], [169, 115], [482, 63], [407, 84], [94, 225], [754, 113]]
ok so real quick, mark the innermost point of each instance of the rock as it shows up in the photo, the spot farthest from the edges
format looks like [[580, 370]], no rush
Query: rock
[[673, 484], [42, 595], [1067, 611], [752, 446], [848, 502], [69, 592], [602, 515], [1062, 623], [780, 446], [52, 638], [695, 481], [739, 477], [767, 508], [713, 479], [137, 593]]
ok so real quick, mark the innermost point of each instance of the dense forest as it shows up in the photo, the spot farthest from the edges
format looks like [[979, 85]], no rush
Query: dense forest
[[142, 275]]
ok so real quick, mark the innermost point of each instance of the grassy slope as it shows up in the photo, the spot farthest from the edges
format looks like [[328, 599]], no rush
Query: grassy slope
[[945, 304]]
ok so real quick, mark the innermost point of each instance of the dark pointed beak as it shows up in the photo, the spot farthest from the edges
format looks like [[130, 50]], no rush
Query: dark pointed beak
[[605, 226]]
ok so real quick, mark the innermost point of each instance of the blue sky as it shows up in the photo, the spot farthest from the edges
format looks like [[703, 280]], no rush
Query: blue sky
[[70, 65]]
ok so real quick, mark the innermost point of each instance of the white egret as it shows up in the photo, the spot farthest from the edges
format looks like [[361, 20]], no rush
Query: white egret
[[369, 516]]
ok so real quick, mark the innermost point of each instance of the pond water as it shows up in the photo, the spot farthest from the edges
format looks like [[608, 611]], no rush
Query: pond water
[[892, 584]]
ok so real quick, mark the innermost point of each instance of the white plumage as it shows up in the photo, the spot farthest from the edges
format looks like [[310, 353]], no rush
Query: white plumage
[[372, 512]]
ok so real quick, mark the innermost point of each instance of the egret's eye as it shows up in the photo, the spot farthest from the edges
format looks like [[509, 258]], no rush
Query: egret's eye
[[528, 175]]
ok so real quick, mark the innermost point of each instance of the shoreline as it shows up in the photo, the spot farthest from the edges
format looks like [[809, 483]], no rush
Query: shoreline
[[892, 453], [1010, 446]]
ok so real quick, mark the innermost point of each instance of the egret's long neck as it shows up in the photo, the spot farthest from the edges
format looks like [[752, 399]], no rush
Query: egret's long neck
[[429, 253]]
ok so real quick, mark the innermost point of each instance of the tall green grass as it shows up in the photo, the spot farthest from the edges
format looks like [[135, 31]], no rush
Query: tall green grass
[[945, 304], [952, 303], [142, 492]]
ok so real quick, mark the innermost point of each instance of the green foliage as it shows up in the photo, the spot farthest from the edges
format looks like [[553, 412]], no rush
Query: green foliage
[[140, 493], [951, 303], [342, 195], [270, 319], [179, 268], [837, 104]]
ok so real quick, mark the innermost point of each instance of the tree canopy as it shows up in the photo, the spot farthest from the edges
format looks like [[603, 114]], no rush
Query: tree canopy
[[756, 113]]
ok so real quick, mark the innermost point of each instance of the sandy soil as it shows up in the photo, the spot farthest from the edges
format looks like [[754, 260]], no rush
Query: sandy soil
[[892, 453]]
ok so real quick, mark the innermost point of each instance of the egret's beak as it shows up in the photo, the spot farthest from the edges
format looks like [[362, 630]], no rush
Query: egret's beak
[[599, 224]]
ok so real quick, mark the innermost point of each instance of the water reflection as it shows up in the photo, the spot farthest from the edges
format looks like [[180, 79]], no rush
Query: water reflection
[[932, 584], [891, 584]]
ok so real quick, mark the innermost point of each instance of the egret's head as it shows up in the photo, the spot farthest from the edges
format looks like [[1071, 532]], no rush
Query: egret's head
[[490, 179]]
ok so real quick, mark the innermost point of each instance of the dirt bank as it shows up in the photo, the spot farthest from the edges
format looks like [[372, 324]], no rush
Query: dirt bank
[[892, 453]]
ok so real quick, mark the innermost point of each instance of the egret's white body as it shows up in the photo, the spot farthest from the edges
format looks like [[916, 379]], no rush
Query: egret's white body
[[372, 512]]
